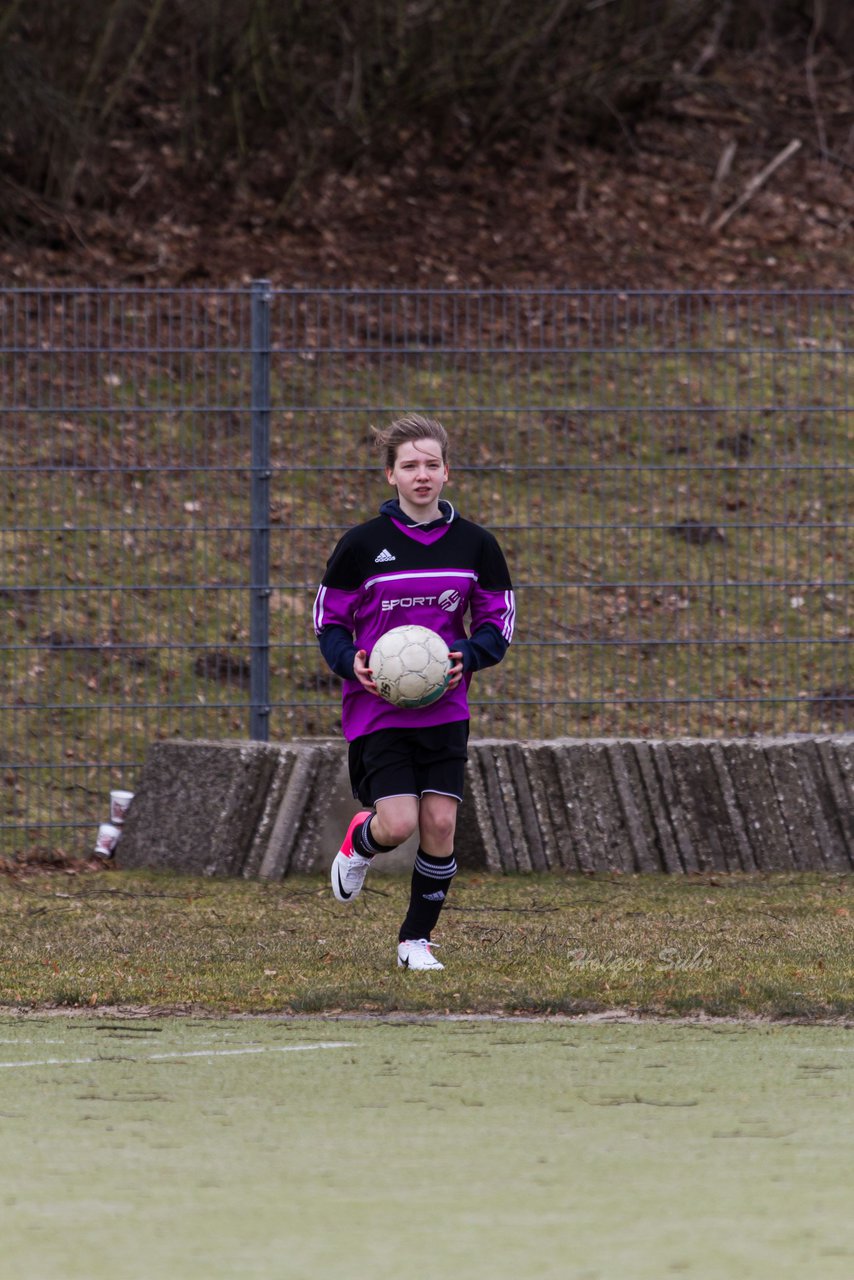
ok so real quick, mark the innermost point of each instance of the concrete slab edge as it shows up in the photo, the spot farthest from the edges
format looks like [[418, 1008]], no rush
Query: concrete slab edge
[[577, 805]]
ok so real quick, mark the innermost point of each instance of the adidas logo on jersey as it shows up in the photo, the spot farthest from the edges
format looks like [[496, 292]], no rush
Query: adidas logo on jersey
[[384, 557]]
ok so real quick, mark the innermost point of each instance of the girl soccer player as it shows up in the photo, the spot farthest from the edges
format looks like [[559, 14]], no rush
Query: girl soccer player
[[418, 561]]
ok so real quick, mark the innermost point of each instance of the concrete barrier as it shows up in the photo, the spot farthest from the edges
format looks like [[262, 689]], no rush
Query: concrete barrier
[[687, 805], [229, 808]]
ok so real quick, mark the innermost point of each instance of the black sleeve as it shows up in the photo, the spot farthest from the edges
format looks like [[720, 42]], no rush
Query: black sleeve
[[485, 648], [494, 574], [336, 645], [343, 570]]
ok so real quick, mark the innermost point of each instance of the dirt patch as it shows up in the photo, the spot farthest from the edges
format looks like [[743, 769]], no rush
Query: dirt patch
[[130, 1013]]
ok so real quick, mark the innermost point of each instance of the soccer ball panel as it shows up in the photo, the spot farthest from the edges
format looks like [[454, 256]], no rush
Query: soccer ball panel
[[410, 666], [393, 668], [412, 685]]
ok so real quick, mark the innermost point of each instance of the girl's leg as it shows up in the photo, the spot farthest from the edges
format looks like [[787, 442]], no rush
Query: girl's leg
[[394, 821], [435, 865], [369, 833], [437, 823], [383, 828]]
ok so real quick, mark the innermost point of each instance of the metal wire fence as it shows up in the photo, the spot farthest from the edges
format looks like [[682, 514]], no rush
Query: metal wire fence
[[668, 473]]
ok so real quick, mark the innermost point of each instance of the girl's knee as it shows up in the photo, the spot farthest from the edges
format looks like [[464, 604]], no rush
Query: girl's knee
[[394, 823], [397, 832], [438, 824]]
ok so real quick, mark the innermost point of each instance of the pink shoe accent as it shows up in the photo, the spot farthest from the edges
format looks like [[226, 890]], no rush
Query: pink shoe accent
[[347, 849]]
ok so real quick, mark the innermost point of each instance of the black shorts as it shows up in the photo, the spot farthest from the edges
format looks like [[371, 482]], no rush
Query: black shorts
[[408, 762]]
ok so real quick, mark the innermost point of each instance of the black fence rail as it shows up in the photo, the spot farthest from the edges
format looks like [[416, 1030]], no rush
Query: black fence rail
[[669, 473]]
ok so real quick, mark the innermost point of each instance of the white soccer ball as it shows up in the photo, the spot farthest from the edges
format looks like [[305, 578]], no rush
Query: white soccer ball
[[410, 666]]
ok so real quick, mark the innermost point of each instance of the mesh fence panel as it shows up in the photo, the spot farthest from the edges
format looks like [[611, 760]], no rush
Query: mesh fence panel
[[669, 474]]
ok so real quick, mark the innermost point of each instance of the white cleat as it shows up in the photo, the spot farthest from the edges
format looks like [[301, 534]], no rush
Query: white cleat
[[415, 953], [349, 868]]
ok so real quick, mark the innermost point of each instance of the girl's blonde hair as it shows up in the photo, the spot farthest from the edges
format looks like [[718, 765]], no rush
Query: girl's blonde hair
[[413, 426]]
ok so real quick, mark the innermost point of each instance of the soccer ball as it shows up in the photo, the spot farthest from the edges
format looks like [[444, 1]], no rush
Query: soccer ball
[[410, 666]]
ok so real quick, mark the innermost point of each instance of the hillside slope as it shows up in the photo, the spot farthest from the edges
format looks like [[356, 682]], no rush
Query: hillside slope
[[640, 214]]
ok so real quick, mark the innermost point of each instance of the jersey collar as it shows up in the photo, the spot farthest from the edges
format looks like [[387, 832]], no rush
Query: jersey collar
[[392, 508]]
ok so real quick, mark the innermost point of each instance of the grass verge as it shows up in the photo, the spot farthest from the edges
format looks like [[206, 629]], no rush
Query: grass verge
[[779, 946]]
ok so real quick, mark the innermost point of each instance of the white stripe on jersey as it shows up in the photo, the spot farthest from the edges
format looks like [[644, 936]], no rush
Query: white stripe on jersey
[[318, 609], [508, 617], [419, 573]]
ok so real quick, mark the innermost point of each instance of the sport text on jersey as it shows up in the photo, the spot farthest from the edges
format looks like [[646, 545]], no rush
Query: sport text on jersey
[[448, 600]]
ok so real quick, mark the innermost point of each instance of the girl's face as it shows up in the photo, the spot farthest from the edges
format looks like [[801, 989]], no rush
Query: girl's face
[[419, 475]]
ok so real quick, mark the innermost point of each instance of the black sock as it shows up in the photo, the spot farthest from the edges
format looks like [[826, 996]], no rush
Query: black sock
[[431, 880], [365, 844]]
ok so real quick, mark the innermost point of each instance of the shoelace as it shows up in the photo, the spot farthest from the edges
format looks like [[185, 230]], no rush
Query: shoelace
[[355, 859], [423, 942]]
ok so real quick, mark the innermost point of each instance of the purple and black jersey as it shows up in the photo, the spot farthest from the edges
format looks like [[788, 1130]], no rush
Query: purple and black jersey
[[390, 571]]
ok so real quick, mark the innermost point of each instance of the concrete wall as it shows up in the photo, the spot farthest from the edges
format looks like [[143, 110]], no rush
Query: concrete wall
[[230, 808], [264, 810]]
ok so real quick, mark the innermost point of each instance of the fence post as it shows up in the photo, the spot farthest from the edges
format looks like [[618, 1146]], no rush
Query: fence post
[[259, 595]]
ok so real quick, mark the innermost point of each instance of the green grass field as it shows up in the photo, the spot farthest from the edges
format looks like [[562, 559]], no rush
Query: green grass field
[[779, 946], [205, 1150], [614, 1076]]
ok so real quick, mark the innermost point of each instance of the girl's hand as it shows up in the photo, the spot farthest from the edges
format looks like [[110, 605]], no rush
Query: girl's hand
[[363, 673], [456, 669]]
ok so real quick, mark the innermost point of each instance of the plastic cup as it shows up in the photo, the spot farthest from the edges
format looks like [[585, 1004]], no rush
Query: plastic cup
[[119, 805], [108, 838]]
